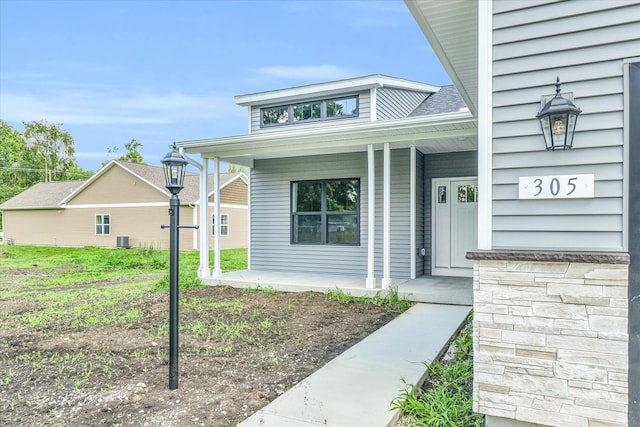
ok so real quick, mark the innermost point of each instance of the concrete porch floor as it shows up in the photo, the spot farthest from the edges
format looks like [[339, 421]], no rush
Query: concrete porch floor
[[427, 289]]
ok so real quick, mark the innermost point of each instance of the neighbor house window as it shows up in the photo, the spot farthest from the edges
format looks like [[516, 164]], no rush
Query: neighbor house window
[[103, 224], [326, 212], [309, 111], [224, 224]]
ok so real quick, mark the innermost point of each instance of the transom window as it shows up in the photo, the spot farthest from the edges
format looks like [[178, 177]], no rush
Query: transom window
[[309, 111], [326, 212], [224, 224], [103, 224]]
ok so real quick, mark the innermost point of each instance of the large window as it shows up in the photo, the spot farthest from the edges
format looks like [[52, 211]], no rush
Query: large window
[[103, 224], [224, 224], [326, 212], [309, 111]]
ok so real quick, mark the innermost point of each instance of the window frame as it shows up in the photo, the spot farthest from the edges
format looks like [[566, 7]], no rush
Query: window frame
[[102, 216], [324, 213], [222, 224], [323, 111]]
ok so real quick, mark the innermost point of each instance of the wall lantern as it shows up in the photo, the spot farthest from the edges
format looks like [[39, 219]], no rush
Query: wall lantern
[[558, 120]]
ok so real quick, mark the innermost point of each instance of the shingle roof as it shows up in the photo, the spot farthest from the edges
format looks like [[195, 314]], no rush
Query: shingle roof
[[44, 195], [49, 195], [446, 100]]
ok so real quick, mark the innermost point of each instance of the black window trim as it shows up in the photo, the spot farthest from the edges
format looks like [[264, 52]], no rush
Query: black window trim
[[323, 212]]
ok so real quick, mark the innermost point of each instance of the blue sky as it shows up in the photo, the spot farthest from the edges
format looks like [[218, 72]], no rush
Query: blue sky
[[160, 71]]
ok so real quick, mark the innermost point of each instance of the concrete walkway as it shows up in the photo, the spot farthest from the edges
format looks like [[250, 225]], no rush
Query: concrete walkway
[[356, 388]]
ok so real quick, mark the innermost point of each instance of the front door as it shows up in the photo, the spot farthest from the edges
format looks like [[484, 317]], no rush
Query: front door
[[455, 225]]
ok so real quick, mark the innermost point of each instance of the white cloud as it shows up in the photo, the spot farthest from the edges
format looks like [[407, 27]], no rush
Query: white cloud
[[325, 72], [114, 107]]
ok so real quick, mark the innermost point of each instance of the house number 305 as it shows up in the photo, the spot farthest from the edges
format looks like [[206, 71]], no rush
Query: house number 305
[[556, 187]]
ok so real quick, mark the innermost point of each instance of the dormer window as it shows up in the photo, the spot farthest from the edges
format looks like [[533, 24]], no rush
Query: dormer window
[[326, 109]]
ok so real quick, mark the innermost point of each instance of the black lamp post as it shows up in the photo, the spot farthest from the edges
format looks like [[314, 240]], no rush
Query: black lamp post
[[558, 120], [174, 165]]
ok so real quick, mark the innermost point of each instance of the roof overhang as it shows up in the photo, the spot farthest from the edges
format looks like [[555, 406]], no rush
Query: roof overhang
[[335, 88], [451, 27], [448, 132]]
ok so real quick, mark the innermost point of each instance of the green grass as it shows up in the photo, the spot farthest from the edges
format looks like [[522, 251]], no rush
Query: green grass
[[388, 298], [77, 306], [447, 400]]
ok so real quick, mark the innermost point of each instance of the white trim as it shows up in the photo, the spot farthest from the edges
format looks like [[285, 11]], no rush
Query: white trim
[[217, 271], [626, 143], [204, 270], [95, 223], [386, 218], [249, 221], [221, 224], [412, 210], [101, 172], [338, 87], [194, 232], [371, 217], [358, 131], [485, 122], [373, 109], [249, 119], [229, 206], [117, 205]]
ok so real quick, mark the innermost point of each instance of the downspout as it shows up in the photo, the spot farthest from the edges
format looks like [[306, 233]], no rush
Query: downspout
[[203, 170]]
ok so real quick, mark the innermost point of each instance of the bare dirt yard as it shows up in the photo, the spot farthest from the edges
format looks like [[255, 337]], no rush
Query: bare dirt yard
[[95, 352]]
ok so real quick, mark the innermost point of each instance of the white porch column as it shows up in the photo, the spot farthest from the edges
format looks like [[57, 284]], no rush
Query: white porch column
[[217, 271], [204, 270], [386, 218], [371, 216], [412, 208]]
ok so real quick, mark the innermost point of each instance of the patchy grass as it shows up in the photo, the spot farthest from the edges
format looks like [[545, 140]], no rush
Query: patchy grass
[[445, 400]]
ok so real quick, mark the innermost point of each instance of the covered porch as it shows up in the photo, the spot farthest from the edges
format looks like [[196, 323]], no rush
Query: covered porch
[[428, 289]]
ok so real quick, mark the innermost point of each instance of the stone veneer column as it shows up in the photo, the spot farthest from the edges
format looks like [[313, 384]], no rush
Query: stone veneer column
[[551, 338]]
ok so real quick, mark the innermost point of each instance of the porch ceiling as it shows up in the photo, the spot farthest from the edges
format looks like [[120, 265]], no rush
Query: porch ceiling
[[451, 27], [431, 134]]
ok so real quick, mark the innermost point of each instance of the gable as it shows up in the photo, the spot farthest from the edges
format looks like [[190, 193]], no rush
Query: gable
[[117, 185], [235, 193]]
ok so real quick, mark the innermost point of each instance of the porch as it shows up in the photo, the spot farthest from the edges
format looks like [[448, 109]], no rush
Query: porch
[[428, 289]]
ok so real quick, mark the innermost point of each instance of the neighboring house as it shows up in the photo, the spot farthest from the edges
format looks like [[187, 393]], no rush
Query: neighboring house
[[321, 156], [556, 277], [122, 205]]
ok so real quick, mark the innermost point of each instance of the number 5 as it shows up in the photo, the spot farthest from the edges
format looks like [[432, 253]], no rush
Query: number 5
[[572, 185]]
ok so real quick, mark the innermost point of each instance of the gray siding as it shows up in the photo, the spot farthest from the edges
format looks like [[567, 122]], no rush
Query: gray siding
[[270, 212], [443, 166], [364, 108], [397, 103], [526, 61]]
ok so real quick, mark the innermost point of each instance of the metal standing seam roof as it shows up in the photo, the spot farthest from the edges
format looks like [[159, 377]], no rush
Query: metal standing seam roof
[[49, 195]]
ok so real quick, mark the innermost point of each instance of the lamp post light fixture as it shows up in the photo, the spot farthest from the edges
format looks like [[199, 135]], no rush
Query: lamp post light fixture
[[558, 119], [174, 165]]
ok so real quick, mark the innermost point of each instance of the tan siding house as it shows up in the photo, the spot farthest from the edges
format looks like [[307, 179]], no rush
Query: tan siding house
[[123, 204]]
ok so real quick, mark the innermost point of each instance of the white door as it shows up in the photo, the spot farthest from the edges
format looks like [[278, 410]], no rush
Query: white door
[[455, 225]]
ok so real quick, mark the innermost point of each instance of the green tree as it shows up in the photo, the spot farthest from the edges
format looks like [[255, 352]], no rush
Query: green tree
[[236, 168], [133, 154], [52, 146]]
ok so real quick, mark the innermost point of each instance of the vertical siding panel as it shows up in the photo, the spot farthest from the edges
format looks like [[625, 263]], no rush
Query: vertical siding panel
[[526, 63], [397, 103]]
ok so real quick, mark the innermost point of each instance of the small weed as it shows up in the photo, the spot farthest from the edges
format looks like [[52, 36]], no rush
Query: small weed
[[390, 299]]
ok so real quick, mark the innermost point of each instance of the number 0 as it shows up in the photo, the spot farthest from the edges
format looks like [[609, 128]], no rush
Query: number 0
[[554, 187]]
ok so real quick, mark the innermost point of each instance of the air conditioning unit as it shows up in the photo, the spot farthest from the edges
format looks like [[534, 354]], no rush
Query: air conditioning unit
[[122, 242]]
